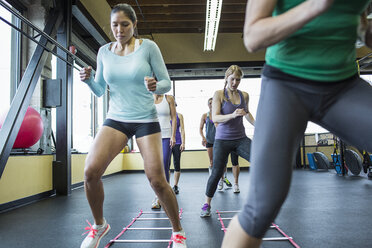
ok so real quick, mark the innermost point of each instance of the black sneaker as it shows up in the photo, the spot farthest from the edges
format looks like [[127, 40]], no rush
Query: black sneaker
[[176, 190], [227, 182]]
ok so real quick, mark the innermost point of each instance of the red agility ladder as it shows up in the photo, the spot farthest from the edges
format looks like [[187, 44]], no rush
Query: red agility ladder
[[140, 218], [284, 237]]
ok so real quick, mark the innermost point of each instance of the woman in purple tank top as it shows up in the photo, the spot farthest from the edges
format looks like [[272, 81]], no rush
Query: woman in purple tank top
[[228, 108]]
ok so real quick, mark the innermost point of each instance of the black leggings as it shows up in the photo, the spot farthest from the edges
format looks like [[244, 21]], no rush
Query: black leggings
[[234, 158], [177, 157], [221, 151], [284, 108]]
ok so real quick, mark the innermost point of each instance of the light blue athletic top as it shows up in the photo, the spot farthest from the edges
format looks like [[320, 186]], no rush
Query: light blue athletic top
[[130, 101]]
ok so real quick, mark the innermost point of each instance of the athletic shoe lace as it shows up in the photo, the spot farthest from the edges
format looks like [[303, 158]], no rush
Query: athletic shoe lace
[[178, 238], [205, 206], [92, 232]]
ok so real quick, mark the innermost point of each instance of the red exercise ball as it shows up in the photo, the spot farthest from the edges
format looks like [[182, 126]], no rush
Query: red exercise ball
[[31, 129]]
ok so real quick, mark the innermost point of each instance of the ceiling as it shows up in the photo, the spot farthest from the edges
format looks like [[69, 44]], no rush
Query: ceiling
[[175, 16], [187, 17]]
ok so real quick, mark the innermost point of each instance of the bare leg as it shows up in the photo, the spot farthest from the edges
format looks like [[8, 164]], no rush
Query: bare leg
[[210, 156], [208, 200], [244, 241], [107, 144], [151, 150], [176, 177], [236, 172]]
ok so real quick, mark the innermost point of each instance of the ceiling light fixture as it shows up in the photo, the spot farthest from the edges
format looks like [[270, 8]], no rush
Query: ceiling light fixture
[[211, 24]]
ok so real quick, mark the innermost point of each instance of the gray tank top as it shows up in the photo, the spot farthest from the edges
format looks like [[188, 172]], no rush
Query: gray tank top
[[210, 130], [234, 128]]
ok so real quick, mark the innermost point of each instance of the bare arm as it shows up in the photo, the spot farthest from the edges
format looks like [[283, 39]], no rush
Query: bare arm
[[202, 122], [261, 30], [248, 116], [250, 119], [172, 108], [216, 109], [182, 130]]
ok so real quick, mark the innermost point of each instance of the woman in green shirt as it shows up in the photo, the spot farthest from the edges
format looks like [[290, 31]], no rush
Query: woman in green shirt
[[310, 75]]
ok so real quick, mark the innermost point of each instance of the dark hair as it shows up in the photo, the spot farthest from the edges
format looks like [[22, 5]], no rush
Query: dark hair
[[210, 99], [128, 11]]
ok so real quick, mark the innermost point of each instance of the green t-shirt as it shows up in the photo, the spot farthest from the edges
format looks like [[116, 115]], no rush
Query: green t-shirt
[[323, 49]]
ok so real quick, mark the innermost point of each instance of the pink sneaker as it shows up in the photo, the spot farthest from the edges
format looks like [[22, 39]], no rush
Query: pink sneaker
[[95, 234], [179, 239]]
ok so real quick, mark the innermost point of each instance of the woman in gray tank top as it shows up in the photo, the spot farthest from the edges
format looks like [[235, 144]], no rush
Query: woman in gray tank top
[[210, 132], [208, 140], [228, 108]]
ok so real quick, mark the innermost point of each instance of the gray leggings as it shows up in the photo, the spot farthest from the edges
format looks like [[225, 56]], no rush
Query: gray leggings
[[343, 108], [221, 151]]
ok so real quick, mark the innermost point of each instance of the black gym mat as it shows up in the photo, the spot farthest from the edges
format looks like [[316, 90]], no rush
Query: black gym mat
[[322, 210]]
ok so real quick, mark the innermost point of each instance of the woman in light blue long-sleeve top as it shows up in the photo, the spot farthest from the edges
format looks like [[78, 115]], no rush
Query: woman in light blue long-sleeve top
[[127, 67]]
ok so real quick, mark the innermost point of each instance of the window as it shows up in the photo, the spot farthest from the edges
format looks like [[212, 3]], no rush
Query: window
[[192, 98], [82, 121], [101, 113], [5, 62], [88, 112], [368, 78], [314, 128]]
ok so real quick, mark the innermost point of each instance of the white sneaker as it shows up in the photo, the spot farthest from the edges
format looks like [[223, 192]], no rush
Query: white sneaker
[[220, 185], [95, 234], [236, 188], [155, 204], [179, 239]]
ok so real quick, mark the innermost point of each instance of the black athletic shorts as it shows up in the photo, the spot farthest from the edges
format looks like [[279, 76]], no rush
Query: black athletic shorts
[[137, 129]]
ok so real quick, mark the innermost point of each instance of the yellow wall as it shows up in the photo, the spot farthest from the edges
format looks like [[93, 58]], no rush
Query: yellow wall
[[132, 161], [200, 160], [363, 51], [77, 167], [100, 10], [188, 48], [327, 150], [26, 176]]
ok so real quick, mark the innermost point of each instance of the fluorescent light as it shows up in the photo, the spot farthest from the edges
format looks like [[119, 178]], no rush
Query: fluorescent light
[[211, 24]]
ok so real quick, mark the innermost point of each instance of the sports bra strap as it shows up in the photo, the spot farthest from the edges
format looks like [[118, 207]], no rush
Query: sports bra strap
[[136, 45]]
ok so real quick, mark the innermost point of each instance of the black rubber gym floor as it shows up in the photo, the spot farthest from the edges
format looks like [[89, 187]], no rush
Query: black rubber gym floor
[[322, 210]]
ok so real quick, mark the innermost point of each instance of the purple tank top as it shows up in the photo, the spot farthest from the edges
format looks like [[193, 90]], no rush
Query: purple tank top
[[178, 133], [234, 128]]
